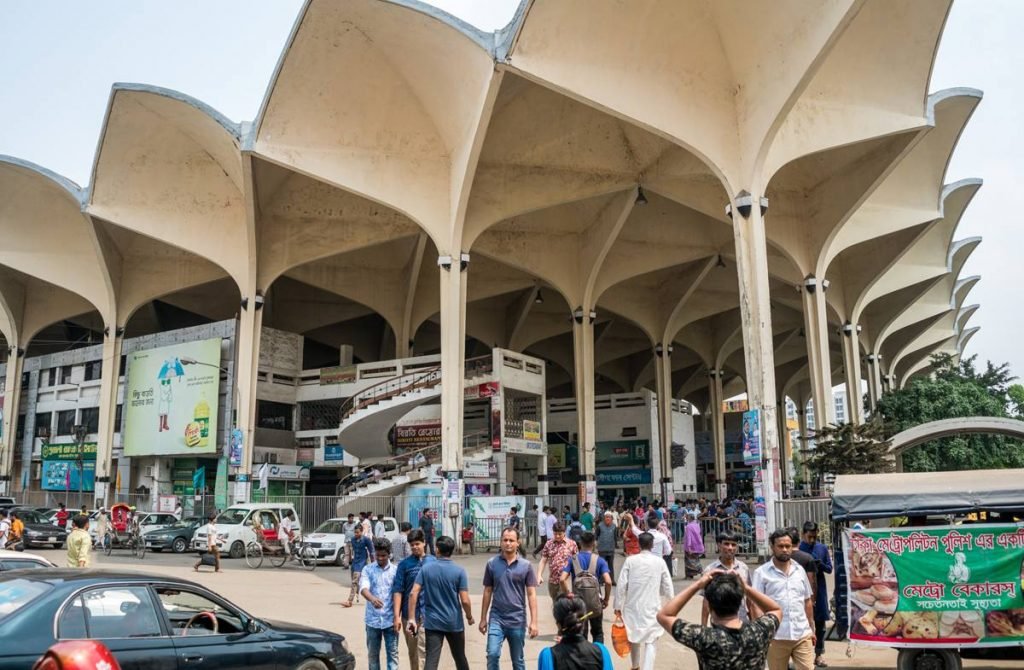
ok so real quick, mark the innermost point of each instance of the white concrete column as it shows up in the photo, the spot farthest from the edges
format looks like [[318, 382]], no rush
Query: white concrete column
[[851, 366], [583, 359], [717, 423], [12, 396], [747, 212], [453, 373], [816, 333], [874, 362], [663, 381], [110, 369], [780, 414], [247, 357]]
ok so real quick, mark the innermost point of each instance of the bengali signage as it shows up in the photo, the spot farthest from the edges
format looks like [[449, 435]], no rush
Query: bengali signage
[[752, 437], [235, 452], [61, 468], [495, 507], [485, 390], [479, 469], [170, 400], [341, 374], [625, 477], [515, 445], [305, 456], [623, 452], [333, 453], [416, 434], [287, 472], [940, 586]]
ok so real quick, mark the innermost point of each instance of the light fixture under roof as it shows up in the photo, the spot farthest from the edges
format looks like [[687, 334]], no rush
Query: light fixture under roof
[[641, 199], [539, 299]]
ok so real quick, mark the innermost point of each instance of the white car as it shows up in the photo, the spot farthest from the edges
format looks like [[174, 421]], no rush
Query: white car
[[329, 538], [234, 526], [19, 560]]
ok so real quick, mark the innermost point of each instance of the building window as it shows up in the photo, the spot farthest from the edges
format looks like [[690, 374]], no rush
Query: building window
[[320, 415], [122, 364], [117, 418], [20, 432], [65, 374], [43, 424], [273, 415], [93, 370], [50, 376], [66, 422], [91, 419]]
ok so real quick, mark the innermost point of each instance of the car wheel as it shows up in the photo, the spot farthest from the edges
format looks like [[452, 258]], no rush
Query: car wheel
[[339, 558], [311, 664], [237, 549], [928, 659], [180, 545], [156, 549], [59, 546]]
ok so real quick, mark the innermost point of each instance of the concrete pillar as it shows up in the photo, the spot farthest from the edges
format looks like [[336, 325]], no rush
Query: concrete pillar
[[747, 212], [874, 362], [12, 396], [247, 352], [816, 332], [717, 424], [780, 414], [663, 381], [345, 354], [453, 372], [28, 440], [110, 369], [583, 358], [851, 366]]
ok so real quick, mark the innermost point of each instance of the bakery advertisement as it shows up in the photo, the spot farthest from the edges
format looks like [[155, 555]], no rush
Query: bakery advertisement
[[936, 586]]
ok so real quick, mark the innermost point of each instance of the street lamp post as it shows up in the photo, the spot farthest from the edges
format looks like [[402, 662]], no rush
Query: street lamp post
[[80, 432]]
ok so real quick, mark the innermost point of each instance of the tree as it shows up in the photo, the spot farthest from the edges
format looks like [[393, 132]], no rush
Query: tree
[[956, 389], [850, 449]]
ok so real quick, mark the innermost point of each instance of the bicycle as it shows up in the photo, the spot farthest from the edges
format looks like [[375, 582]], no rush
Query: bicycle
[[274, 551]]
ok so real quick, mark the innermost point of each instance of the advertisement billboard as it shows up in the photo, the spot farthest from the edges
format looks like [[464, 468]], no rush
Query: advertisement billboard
[[752, 437], [171, 399], [936, 586], [61, 467]]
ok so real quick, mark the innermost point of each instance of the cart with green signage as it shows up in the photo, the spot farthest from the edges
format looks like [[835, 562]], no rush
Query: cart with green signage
[[931, 563]]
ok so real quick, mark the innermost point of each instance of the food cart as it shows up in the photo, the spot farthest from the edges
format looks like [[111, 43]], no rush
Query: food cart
[[931, 563]]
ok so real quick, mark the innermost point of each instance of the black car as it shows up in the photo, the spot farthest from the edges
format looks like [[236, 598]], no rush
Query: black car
[[176, 537], [38, 531], [151, 622]]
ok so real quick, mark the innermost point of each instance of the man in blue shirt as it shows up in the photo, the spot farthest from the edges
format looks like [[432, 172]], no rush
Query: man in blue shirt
[[509, 582], [604, 578], [362, 553], [445, 587], [401, 592], [375, 585], [823, 561]]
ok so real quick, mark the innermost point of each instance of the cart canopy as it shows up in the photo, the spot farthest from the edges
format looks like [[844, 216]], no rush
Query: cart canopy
[[923, 493]]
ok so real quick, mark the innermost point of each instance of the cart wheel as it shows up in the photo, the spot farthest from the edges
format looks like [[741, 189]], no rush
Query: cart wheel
[[278, 558], [307, 555], [253, 555], [928, 659]]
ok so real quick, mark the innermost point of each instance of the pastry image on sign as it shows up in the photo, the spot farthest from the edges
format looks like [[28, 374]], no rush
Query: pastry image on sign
[[968, 624], [1005, 623]]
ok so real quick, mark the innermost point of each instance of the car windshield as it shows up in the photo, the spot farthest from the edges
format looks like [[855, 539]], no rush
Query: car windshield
[[232, 516], [187, 523], [28, 516], [331, 526], [16, 593]]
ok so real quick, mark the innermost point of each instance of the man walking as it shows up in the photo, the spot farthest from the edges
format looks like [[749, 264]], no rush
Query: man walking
[[587, 576], [362, 554], [349, 528], [532, 518], [550, 519], [606, 533], [586, 518], [445, 588], [556, 555], [643, 583], [427, 526], [401, 592], [542, 530], [400, 547], [823, 564], [509, 585], [79, 543], [212, 546], [785, 582], [62, 516], [375, 584], [728, 544], [5, 529]]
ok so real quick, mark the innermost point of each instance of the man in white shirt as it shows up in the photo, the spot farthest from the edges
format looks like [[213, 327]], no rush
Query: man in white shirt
[[5, 528], [286, 532], [378, 527], [728, 544], [785, 582]]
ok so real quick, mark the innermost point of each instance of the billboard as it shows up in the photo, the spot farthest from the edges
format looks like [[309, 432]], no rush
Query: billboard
[[171, 399], [61, 468], [752, 437]]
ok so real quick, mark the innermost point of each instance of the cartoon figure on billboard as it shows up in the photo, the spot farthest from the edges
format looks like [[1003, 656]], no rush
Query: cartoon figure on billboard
[[171, 369]]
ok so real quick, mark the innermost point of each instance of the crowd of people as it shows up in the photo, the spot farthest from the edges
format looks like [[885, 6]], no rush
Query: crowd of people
[[774, 615]]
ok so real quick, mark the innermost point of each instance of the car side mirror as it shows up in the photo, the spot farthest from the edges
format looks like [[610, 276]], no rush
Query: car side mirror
[[252, 626]]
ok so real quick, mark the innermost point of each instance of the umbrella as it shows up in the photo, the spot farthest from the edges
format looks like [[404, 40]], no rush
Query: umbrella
[[171, 368]]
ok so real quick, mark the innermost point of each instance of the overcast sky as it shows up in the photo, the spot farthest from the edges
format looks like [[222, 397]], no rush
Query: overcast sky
[[59, 58]]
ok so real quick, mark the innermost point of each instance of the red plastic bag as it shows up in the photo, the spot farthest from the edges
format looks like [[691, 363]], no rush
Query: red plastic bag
[[619, 638]]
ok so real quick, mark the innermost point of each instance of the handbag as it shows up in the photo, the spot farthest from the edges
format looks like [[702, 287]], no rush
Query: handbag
[[208, 559], [620, 639]]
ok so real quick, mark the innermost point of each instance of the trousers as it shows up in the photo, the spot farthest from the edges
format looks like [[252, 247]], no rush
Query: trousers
[[456, 643], [643, 653]]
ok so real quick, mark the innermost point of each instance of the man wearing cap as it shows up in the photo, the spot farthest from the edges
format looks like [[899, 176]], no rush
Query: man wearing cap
[[606, 533]]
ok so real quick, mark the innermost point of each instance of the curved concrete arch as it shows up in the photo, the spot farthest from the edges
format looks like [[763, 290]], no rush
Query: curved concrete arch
[[971, 425]]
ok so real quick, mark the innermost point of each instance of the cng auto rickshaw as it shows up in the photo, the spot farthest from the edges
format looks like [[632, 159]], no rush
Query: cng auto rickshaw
[[932, 564]]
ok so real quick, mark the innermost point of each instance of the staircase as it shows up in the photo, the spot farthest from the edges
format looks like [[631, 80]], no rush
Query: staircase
[[368, 416]]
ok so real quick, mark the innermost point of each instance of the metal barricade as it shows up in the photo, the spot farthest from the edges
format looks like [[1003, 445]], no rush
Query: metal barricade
[[797, 511]]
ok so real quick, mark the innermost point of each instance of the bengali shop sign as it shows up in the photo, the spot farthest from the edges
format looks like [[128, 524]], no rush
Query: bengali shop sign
[[940, 586]]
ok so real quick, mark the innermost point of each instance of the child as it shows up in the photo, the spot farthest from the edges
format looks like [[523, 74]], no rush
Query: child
[[468, 533]]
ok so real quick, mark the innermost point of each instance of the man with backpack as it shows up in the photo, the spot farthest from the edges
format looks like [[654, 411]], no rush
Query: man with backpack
[[575, 529], [588, 578]]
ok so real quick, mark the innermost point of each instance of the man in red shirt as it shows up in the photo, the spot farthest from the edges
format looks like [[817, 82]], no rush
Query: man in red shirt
[[62, 517]]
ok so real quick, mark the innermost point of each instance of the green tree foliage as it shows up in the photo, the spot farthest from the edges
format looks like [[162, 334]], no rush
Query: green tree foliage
[[850, 449], [953, 390]]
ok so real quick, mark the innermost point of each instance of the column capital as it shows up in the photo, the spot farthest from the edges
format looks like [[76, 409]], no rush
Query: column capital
[[714, 373], [811, 284], [579, 312], [445, 262], [659, 350], [745, 204], [849, 329]]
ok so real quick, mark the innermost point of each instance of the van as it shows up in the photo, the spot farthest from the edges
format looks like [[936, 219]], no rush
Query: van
[[234, 526]]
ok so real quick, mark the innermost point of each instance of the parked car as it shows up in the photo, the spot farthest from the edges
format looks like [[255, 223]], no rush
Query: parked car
[[39, 532], [7, 503], [175, 537], [329, 541], [234, 526], [151, 622], [19, 560], [156, 521]]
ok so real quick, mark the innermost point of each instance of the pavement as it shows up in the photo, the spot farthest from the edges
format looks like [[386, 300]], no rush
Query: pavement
[[313, 598]]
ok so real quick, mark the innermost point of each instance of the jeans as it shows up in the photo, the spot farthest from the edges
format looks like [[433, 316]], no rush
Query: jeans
[[610, 560], [516, 637], [456, 643], [373, 637]]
